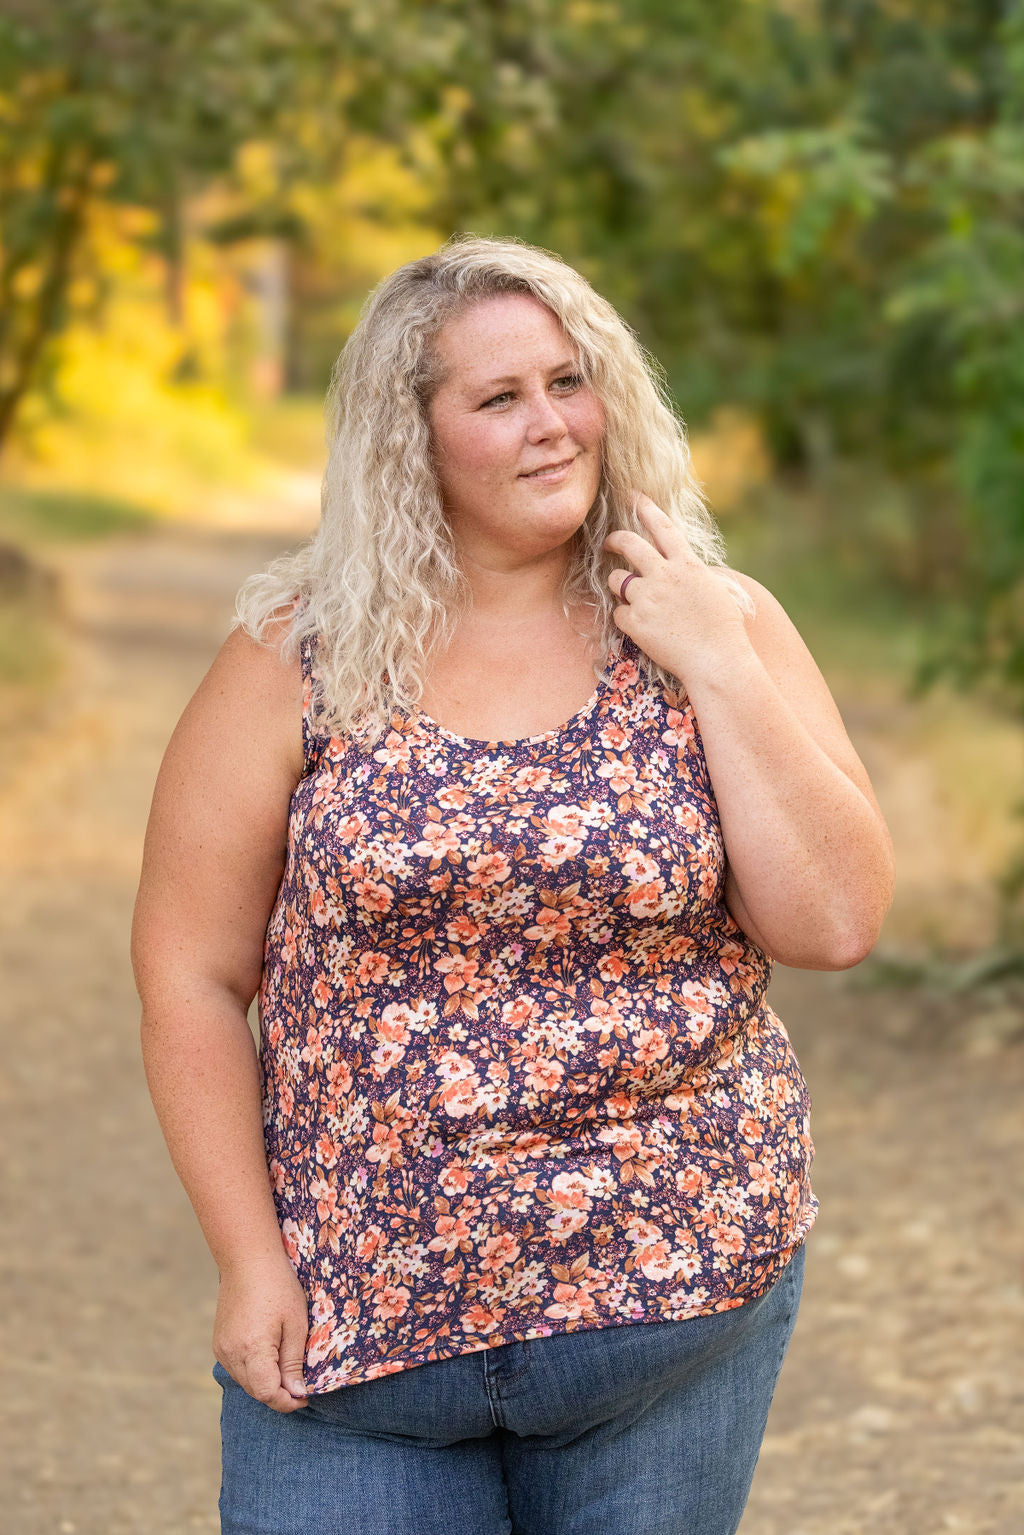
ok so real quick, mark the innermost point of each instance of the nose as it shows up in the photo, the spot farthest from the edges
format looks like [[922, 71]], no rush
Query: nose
[[545, 419]]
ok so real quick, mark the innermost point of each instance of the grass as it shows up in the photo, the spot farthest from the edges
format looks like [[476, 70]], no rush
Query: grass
[[32, 640], [32, 663], [31, 517], [29, 645], [853, 616]]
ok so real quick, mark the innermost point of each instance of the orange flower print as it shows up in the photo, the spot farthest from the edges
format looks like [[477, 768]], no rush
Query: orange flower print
[[392, 1301], [351, 828], [396, 754], [570, 1191], [372, 968], [464, 929], [549, 924], [531, 780], [727, 1240], [556, 850], [372, 896], [454, 1179], [612, 967], [322, 1306], [479, 1319], [566, 1223], [289, 1236], [689, 1265], [459, 1098], [620, 1106], [488, 869], [319, 1344], [544, 1076], [389, 1054], [760, 1182], [690, 1180], [678, 730], [452, 1233], [327, 1151], [641, 1232], [621, 775], [498, 1252], [515, 1015], [458, 970], [572, 1303], [658, 1261], [339, 1079], [440, 838], [325, 1193], [613, 737], [651, 1045]]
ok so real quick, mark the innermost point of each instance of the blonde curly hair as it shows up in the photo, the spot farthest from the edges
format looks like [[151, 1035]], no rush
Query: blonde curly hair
[[379, 583]]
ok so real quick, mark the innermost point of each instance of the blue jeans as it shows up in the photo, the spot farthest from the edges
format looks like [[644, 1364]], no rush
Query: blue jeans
[[643, 1429]]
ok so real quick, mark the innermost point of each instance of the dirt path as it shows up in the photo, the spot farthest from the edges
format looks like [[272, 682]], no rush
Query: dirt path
[[900, 1407]]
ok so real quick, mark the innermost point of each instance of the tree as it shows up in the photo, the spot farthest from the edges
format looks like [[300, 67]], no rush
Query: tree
[[126, 102]]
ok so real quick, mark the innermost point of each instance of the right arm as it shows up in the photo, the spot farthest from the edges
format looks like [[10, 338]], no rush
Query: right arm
[[213, 859]]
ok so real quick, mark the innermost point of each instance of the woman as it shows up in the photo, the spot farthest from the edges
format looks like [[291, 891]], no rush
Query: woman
[[518, 1087]]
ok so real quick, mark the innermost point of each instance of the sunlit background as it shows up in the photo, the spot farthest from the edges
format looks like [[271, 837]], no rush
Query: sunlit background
[[812, 212]]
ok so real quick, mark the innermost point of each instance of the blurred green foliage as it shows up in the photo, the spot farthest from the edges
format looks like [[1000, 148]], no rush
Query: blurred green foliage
[[38, 516], [811, 209]]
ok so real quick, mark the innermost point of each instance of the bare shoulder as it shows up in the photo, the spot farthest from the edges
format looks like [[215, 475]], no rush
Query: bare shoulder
[[216, 839], [791, 666], [768, 610], [772, 632], [253, 695]]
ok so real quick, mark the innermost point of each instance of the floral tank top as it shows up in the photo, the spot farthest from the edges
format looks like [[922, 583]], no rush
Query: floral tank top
[[519, 1075]]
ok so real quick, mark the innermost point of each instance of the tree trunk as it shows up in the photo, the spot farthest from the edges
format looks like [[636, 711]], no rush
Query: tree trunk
[[68, 188]]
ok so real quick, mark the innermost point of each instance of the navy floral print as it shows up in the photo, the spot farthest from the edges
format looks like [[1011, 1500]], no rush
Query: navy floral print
[[519, 1074]]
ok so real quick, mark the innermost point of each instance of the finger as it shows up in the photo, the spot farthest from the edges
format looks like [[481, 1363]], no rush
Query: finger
[[615, 580], [281, 1402], [639, 551], [262, 1380], [665, 531], [293, 1351]]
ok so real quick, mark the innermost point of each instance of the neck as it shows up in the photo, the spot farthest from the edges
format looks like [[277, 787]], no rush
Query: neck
[[508, 594]]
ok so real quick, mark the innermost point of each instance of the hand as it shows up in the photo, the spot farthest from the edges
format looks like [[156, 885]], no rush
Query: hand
[[678, 610], [259, 1333]]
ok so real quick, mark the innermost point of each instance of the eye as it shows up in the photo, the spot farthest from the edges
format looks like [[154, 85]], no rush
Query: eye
[[567, 384]]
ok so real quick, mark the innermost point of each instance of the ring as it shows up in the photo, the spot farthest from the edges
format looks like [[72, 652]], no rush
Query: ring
[[622, 588]]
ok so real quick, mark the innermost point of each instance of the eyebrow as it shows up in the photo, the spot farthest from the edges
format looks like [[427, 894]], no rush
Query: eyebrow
[[567, 366]]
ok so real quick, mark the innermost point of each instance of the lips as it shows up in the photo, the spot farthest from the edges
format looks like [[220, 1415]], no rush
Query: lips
[[544, 470]]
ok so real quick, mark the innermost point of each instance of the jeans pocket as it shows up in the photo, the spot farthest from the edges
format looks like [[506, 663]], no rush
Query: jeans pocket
[[221, 1375], [784, 1301], [792, 1277]]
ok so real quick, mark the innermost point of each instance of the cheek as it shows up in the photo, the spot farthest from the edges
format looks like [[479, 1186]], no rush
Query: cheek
[[476, 449], [589, 423]]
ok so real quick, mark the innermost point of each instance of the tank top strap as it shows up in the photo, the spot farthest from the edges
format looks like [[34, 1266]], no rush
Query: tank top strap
[[313, 740]]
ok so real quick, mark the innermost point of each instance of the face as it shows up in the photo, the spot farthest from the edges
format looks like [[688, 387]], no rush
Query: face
[[516, 432]]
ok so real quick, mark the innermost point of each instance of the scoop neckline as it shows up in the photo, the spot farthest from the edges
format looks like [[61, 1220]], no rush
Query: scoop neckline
[[613, 656]]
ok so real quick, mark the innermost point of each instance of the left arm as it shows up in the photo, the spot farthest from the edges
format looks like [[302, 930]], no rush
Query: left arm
[[811, 866], [810, 859]]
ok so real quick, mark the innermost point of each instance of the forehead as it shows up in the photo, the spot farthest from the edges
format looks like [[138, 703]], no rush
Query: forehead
[[509, 331]]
